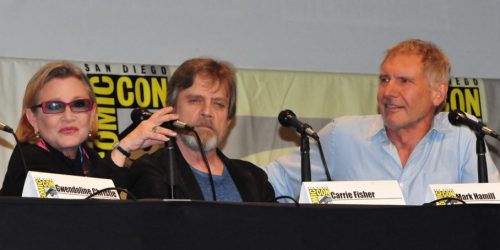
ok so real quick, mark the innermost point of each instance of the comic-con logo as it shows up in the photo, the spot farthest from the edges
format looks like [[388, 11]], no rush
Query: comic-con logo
[[320, 195], [46, 188]]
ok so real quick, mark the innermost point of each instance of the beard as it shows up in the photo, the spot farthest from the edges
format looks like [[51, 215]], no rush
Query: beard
[[209, 139], [208, 144]]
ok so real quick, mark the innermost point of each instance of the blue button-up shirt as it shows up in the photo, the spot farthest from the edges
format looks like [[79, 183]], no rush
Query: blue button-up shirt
[[357, 148]]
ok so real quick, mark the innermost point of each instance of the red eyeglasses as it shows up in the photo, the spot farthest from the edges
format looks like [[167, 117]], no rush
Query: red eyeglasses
[[56, 107]]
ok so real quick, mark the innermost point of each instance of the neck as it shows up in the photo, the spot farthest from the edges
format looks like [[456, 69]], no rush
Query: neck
[[70, 153], [194, 158], [406, 139]]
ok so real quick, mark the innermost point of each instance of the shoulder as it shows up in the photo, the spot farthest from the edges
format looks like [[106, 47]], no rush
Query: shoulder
[[358, 121], [353, 126], [26, 157], [247, 166], [31, 152], [459, 138], [442, 125], [90, 152], [242, 166]]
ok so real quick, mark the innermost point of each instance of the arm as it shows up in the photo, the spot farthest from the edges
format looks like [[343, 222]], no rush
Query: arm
[[284, 173], [14, 178], [469, 159]]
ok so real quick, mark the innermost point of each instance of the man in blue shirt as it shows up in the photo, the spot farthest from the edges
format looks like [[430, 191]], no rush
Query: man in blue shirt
[[410, 141]]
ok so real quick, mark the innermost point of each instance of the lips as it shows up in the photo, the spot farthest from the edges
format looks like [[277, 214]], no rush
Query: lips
[[205, 127], [68, 130], [391, 106]]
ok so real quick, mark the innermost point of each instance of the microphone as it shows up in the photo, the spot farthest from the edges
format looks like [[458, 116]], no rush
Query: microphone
[[139, 114], [6, 128], [288, 119], [458, 117]]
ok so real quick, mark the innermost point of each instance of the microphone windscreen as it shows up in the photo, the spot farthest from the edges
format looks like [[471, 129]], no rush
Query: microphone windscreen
[[6, 128], [456, 117], [139, 114]]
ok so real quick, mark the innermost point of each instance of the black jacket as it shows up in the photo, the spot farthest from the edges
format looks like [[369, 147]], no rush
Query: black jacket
[[147, 178], [153, 179], [51, 160]]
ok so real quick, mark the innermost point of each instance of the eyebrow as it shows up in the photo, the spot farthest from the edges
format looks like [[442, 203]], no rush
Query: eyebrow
[[201, 96]]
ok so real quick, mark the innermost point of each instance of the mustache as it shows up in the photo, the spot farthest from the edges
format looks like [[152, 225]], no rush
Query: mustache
[[204, 123]]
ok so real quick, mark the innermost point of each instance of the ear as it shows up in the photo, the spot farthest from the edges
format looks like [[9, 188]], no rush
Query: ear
[[229, 122], [32, 119], [92, 119], [93, 113], [439, 93]]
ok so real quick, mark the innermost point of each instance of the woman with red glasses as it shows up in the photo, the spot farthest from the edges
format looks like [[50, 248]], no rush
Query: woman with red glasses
[[58, 119]]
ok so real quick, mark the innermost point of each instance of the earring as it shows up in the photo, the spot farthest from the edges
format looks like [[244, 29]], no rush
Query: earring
[[37, 135], [90, 133]]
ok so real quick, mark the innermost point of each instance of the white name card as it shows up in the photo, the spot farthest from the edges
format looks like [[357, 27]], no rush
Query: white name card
[[352, 192], [468, 192], [47, 185]]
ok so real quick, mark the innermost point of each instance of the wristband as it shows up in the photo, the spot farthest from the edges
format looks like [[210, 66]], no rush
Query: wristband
[[122, 150]]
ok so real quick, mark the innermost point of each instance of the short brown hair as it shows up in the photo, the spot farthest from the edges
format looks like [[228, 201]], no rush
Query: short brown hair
[[184, 76]]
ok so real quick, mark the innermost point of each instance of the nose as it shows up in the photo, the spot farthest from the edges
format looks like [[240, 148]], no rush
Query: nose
[[389, 89], [68, 113], [207, 110]]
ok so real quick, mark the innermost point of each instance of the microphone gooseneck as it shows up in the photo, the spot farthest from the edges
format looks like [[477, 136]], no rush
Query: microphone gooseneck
[[288, 119]]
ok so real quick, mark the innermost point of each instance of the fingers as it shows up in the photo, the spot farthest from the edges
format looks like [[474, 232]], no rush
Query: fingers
[[162, 112], [158, 131], [158, 118], [150, 131]]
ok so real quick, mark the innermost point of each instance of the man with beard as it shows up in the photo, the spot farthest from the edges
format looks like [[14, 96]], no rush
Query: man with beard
[[201, 93]]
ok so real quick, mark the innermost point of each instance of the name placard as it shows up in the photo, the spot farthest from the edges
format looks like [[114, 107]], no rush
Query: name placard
[[468, 192], [352, 192], [59, 186]]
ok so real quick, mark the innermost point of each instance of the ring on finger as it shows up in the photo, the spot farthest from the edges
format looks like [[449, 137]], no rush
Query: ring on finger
[[154, 129]]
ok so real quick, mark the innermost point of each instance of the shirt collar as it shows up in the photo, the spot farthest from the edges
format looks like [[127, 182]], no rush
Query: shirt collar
[[377, 129], [439, 126]]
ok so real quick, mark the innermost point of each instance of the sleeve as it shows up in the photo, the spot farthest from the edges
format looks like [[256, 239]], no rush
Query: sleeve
[[266, 193], [122, 176], [284, 173], [493, 175], [151, 180], [13, 183], [470, 159]]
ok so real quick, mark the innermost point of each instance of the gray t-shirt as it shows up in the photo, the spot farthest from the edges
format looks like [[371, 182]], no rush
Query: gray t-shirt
[[225, 189]]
